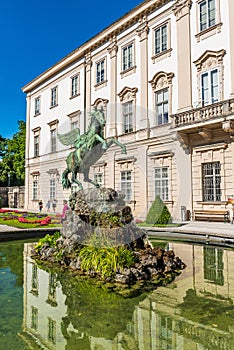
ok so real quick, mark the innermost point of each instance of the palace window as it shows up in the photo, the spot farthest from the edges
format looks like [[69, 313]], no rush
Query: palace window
[[126, 184], [207, 14], [161, 104], [54, 97], [210, 87], [213, 265], [35, 188], [162, 89], [53, 140], [127, 57], [36, 146], [100, 72], [98, 178], [210, 74], [211, 178], [161, 182], [52, 189], [74, 86], [34, 281], [37, 106], [127, 117], [34, 318], [51, 330], [160, 39]]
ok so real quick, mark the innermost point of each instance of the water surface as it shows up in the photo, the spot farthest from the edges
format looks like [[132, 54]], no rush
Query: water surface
[[44, 308]]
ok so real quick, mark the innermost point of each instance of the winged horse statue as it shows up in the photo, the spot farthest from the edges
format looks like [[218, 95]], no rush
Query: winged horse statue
[[89, 147]]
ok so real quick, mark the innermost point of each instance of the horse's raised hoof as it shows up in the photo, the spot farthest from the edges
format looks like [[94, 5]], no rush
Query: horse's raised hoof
[[124, 151]]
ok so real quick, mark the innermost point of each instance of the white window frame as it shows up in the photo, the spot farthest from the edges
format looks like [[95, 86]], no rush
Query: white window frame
[[35, 188], [208, 21], [52, 188], [126, 184], [75, 85], [164, 104], [161, 41], [128, 57], [54, 97], [161, 182], [53, 140], [127, 110], [100, 71], [98, 178], [211, 189], [36, 145], [37, 106], [210, 88]]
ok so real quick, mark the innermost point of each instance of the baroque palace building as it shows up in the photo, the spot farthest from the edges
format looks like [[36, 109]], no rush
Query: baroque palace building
[[164, 74]]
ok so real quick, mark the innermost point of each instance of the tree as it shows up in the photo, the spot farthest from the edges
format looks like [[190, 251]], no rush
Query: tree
[[12, 152], [158, 213]]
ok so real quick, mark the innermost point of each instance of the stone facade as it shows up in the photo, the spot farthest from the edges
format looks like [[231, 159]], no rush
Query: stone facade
[[163, 73]]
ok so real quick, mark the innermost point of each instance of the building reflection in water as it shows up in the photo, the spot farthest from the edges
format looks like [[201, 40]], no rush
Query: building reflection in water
[[193, 313]]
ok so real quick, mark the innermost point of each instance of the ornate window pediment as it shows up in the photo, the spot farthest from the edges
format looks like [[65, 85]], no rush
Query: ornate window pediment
[[100, 102], [128, 94], [209, 60], [161, 80]]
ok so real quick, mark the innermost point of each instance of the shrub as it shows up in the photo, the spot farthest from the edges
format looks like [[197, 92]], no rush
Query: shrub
[[158, 213], [50, 240]]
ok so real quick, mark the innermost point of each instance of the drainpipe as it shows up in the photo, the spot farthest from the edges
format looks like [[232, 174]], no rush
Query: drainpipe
[[85, 100], [146, 180], [191, 176]]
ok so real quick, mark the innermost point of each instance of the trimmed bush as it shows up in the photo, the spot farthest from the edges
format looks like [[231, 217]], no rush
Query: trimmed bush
[[158, 213]]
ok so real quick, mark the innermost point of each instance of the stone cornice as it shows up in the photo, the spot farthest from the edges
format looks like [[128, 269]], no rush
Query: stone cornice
[[126, 21]]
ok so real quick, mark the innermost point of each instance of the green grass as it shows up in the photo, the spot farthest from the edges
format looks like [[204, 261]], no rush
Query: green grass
[[17, 224]]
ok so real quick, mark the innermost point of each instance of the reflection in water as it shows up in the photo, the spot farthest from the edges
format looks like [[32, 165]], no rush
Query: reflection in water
[[195, 312]]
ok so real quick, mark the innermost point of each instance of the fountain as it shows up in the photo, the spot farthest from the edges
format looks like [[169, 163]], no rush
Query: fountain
[[99, 236]]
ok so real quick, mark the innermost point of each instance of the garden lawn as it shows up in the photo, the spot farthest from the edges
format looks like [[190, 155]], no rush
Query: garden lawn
[[23, 219]]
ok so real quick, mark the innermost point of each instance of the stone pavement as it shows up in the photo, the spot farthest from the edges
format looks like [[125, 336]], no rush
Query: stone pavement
[[201, 227], [197, 229], [216, 233]]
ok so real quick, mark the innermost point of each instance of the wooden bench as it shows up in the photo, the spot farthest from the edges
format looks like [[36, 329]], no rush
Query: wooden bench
[[212, 215]]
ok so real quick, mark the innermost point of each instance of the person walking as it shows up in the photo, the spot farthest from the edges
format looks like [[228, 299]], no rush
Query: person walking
[[54, 204], [40, 204], [48, 206], [65, 209]]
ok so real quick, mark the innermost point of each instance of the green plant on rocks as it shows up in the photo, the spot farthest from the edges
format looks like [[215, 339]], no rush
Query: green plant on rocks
[[50, 240], [105, 260], [158, 213]]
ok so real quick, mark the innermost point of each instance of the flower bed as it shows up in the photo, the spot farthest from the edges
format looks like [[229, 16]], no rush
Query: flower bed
[[25, 219]]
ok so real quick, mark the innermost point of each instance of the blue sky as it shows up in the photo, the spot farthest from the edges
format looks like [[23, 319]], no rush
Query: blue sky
[[36, 35]]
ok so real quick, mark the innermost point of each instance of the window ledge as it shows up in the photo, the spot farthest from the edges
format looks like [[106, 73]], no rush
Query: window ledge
[[128, 71], [209, 32], [100, 85], [36, 114], [160, 56], [74, 96], [51, 107], [168, 202]]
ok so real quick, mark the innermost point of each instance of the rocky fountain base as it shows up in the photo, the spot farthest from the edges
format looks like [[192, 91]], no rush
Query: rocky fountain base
[[99, 238]]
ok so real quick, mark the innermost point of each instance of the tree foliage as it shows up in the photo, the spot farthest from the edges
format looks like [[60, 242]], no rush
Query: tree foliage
[[12, 153]]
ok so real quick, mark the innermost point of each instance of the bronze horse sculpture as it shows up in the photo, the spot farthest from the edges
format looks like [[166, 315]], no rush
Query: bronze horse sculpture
[[89, 147]]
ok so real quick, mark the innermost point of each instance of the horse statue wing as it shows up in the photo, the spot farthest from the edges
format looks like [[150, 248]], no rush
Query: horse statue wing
[[70, 137]]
